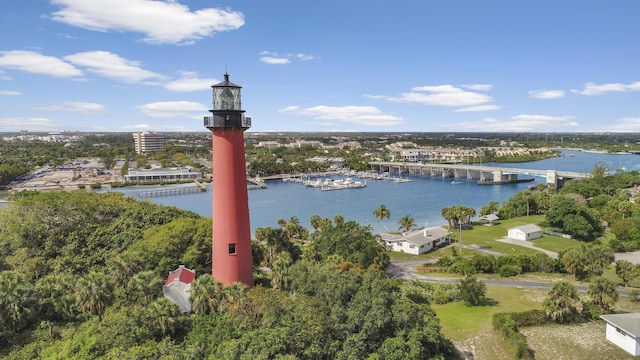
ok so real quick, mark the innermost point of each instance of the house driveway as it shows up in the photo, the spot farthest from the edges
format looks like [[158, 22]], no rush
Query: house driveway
[[527, 244]]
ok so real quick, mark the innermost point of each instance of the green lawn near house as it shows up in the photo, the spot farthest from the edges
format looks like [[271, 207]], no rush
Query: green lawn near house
[[470, 328]]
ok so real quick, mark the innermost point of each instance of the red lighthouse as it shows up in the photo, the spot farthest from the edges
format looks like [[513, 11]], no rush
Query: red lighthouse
[[231, 242]]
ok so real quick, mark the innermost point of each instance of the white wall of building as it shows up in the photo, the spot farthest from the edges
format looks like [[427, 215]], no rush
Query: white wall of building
[[623, 340]]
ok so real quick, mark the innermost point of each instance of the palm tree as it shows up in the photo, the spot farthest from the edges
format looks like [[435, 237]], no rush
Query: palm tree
[[604, 293], [280, 271], [560, 301], [338, 220], [56, 296], [123, 266], [490, 208], [93, 294], [625, 271], [235, 293], [163, 316], [526, 196], [17, 300], [316, 221], [146, 283], [448, 214], [382, 213], [406, 222], [206, 295]]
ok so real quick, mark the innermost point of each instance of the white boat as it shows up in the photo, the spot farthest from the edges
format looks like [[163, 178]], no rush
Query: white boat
[[342, 184], [456, 182]]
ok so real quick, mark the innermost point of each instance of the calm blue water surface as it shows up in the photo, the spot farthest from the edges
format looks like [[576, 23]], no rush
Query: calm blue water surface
[[423, 198]]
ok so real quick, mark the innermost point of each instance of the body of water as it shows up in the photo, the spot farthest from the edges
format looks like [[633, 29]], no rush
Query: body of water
[[423, 198]]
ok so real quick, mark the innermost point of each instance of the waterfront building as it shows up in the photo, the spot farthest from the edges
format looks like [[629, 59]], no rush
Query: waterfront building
[[418, 241], [162, 174], [231, 239], [147, 141]]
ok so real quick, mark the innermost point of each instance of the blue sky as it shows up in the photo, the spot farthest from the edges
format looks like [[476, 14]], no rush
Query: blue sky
[[332, 65]]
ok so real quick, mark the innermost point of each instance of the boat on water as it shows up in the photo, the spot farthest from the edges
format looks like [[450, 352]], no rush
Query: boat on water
[[456, 182], [342, 184]]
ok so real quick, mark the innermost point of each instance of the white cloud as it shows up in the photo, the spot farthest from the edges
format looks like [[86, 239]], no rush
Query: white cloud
[[305, 57], [36, 63], [79, 107], [442, 95], [628, 124], [547, 94], [269, 57], [31, 124], [289, 108], [274, 60], [110, 65], [479, 87], [360, 115], [524, 122], [595, 89], [162, 22], [478, 108], [10, 93], [174, 109], [190, 82]]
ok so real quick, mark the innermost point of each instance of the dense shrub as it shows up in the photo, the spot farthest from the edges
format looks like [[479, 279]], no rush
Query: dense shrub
[[590, 310], [530, 318], [463, 267], [508, 329], [510, 270]]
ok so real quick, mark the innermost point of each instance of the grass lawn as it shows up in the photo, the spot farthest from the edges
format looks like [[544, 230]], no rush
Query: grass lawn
[[556, 243], [469, 327]]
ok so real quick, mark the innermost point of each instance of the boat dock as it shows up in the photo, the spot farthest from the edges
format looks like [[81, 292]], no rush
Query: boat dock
[[173, 191]]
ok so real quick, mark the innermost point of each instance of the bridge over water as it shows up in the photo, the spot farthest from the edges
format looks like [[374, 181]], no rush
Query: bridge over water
[[484, 174]]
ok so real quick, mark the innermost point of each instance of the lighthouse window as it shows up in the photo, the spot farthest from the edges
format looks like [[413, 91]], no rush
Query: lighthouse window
[[232, 248]]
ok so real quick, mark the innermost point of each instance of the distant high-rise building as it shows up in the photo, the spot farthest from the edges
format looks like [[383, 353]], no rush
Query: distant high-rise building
[[147, 141]]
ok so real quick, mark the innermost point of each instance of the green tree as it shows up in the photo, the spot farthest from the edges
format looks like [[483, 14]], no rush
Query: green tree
[[573, 261], [560, 302], [597, 258], [280, 277], [206, 295], [625, 271], [349, 241], [471, 291], [163, 317], [406, 222], [93, 294], [382, 213], [491, 208], [604, 293], [315, 221], [145, 286], [57, 297], [17, 300]]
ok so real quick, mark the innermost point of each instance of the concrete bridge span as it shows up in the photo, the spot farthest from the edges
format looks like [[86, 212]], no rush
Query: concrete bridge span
[[484, 174]]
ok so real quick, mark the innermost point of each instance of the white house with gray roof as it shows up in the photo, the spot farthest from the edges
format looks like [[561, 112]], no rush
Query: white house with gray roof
[[624, 331], [418, 241], [525, 232]]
